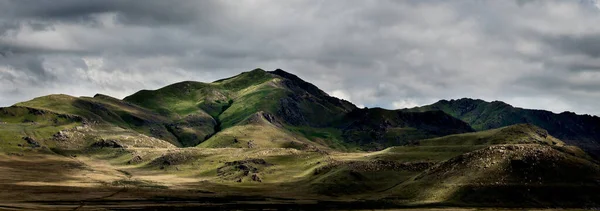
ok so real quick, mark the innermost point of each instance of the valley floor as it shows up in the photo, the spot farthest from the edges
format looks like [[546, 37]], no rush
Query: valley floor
[[177, 179]]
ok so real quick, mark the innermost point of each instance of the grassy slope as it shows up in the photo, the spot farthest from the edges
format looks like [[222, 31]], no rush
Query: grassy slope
[[506, 175], [227, 102], [189, 97], [19, 122], [259, 132], [103, 110]]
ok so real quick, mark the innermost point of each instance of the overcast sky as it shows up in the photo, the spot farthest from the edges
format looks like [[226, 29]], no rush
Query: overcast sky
[[393, 54]]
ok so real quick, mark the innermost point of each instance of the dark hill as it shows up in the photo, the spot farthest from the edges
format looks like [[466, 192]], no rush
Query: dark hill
[[578, 130], [377, 128]]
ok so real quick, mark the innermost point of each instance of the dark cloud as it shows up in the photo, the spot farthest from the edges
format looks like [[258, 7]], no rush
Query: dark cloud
[[128, 12], [587, 44], [538, 54], [32, 65]]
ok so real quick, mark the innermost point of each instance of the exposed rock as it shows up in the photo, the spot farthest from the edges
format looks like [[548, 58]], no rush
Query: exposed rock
[[135, 160], [313, 148], [28, 121], [60, 136], [107, 144], [251, 144], [31, 142], [236, 170], [290, 110], [256, 178], [248, 161], [173, 158]]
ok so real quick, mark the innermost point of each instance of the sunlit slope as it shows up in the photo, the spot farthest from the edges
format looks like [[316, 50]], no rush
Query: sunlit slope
[[106, 111], [234, 99], [17, 123]]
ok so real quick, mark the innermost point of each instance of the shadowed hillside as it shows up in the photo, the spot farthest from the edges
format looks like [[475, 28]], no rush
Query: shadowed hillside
[[378, 128], [578, 130]]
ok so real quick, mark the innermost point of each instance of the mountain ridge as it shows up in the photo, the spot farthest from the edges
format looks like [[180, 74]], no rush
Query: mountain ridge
[[579, 130]]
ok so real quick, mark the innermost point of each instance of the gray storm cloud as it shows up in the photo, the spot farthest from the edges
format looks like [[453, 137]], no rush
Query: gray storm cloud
[[393, 54]]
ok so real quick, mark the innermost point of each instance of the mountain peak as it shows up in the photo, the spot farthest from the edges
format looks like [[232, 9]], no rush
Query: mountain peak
[[284, 74], [257, 70], [294, 81], [280, 72], [462, 100], [471, 102]]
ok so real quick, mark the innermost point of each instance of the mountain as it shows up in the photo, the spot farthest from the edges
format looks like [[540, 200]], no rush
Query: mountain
[[255, 108], [293, 110], [237, 104], [270, 140], [579, 130]]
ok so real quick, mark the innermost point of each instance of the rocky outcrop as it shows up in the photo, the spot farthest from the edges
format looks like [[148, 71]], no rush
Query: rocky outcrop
[[107, 144], [250, 169], [60, 136], [32, 142]]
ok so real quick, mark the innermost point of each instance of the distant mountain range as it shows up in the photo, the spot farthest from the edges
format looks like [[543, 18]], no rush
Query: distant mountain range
[[579, 130]]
